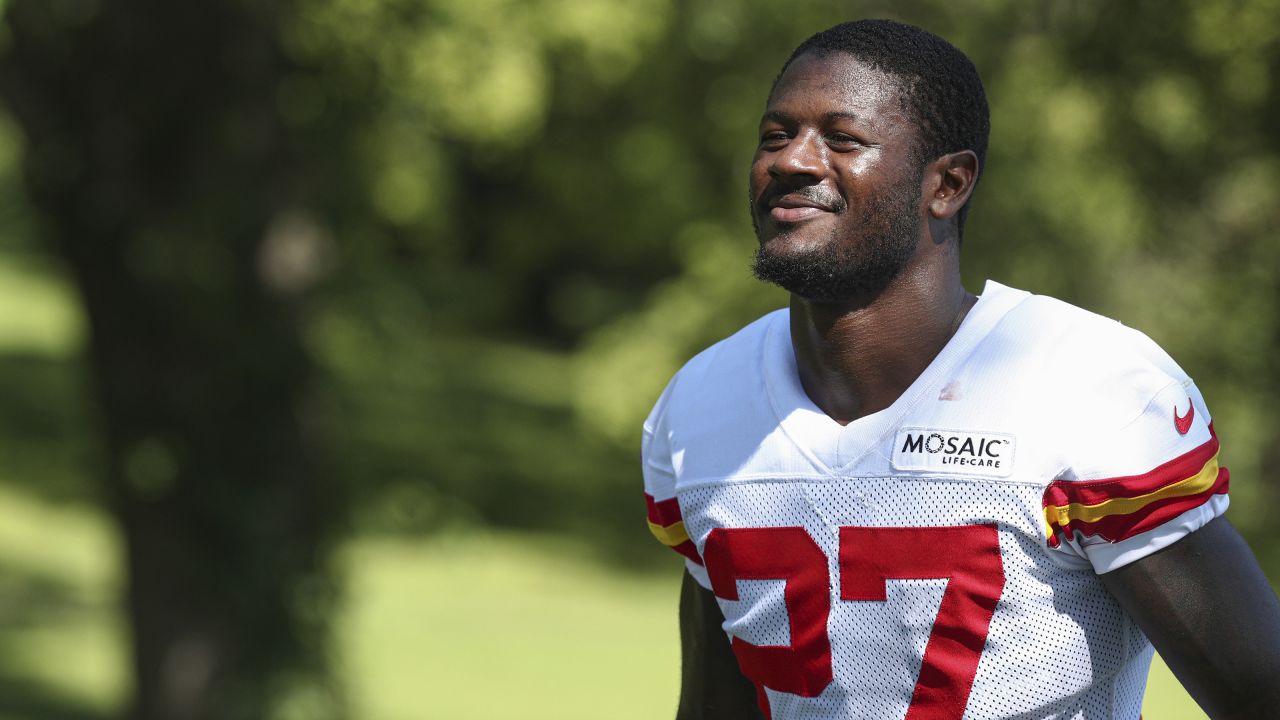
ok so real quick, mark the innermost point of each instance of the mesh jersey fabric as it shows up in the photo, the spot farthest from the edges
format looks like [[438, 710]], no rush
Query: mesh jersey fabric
[[939, 558]]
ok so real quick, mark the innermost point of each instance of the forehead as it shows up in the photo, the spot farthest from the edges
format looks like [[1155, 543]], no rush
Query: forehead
[[819, 84]]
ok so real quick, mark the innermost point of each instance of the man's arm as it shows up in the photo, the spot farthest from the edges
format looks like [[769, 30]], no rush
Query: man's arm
[[711, 686], [1211, 614]]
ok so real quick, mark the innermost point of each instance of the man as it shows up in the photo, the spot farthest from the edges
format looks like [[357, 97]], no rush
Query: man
[[897, 499]]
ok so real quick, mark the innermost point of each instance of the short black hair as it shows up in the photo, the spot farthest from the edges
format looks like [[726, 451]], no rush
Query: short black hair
[[943, 92]]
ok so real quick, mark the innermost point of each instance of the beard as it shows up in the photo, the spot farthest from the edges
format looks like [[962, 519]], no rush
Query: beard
[[845, 268]]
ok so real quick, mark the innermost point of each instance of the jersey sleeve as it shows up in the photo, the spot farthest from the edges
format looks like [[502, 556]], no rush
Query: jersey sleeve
[[665, 521], [1145, 471]]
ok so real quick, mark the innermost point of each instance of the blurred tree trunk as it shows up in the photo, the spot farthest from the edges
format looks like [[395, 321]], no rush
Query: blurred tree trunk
[[160, 166]]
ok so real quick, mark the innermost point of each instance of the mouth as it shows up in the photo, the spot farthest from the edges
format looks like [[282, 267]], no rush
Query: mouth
[[795, 207]]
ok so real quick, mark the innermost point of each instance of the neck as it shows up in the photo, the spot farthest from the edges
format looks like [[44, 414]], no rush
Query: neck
[[857, 358]]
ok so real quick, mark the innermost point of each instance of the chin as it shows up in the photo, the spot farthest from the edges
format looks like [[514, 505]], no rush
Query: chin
[[795, 240], [823, 267]]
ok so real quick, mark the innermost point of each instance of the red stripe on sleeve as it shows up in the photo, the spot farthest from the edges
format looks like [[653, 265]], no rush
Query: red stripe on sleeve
[[1092, 492], [663, 513], [1115, 528], [667, 513]]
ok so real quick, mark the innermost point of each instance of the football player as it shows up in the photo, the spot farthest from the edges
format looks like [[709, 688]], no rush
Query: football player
[[899, 499]]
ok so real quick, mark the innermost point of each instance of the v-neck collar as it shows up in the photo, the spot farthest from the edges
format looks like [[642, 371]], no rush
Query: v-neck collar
[[831, 446]]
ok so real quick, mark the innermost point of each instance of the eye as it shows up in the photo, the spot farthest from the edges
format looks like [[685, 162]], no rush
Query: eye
[[842, 141], [774, 140]]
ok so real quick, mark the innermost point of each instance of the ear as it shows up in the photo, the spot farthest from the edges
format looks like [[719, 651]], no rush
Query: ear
[[949, 182]]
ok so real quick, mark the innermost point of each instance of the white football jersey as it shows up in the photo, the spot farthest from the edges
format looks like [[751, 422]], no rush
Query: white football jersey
[[938, 559]]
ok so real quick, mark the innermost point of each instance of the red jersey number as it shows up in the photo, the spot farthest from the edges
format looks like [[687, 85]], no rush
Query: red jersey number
[[968, 556], [787, 553]]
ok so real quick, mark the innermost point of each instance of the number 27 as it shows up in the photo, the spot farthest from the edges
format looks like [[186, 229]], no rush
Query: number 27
[[968, 556]]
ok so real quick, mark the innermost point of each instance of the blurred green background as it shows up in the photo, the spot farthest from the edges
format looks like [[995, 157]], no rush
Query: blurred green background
[[327, 326]]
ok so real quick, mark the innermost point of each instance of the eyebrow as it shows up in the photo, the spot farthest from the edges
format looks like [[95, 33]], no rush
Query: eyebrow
[[779, 116]]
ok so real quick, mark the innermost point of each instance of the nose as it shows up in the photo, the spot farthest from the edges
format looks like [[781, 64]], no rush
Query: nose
[[802, 156]]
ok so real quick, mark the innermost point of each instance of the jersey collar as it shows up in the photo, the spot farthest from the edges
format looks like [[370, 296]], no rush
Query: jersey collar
[[831, 446]]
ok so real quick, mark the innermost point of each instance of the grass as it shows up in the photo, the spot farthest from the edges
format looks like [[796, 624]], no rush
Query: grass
[[491, 627], [472, 627]]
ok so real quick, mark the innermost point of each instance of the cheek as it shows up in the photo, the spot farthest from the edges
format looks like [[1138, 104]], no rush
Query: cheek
[[758, 178], [863, 164]]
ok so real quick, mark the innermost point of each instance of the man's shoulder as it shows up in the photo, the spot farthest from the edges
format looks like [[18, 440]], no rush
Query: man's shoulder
[[1083, 369], [1050, 317], [726, 373], [745, 347], [730, 359], [1079, 342]]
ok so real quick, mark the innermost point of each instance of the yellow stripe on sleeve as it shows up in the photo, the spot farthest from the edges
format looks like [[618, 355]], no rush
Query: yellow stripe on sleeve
[[671, 535], [1201, 481]]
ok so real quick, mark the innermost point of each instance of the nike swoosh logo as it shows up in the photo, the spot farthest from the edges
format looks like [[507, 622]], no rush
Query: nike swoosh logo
[[1183, 424]]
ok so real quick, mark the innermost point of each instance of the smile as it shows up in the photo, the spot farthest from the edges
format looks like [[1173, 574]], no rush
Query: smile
[[799, 206], [795, 214]]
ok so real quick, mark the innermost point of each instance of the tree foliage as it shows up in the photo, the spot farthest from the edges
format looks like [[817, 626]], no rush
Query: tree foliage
[[512, 221], [166, 177], [557, 258]]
